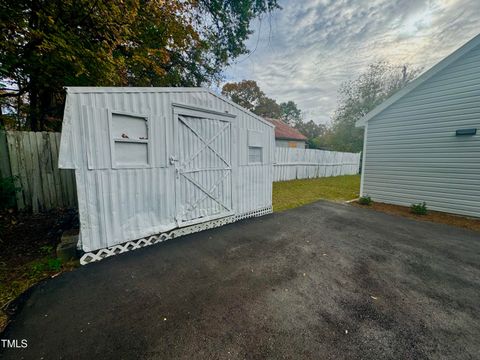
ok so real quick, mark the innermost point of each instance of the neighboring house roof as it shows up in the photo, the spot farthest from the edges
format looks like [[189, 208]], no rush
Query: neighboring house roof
[[286, 132], [421, 79]]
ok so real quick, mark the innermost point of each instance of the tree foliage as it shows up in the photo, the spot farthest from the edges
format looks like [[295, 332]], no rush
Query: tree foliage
[[46, 45], [357, 98], [312, 131], [268, 107], [245, 93], [248, 94], [291, 114]]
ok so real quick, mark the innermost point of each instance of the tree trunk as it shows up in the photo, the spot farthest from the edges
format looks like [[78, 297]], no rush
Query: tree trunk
[[45, 105], [32, 70], [2, 124], [33, 106]]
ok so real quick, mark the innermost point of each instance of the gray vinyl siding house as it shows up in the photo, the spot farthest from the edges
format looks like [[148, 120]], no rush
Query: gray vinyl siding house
[[414, 149]]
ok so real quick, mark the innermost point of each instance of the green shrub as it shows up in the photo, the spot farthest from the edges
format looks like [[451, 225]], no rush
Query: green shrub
[[365, 200], [8, 189], [44, 265], [419, 209], [54, 264], [46, 250]]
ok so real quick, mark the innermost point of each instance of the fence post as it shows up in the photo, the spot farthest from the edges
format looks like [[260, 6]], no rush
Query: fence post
[[5, 170]]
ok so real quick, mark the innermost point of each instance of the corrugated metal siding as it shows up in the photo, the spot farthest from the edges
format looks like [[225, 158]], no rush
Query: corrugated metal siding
[[412, 153], [117, 205]]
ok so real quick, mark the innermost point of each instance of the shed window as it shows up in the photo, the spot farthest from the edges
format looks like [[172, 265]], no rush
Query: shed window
[[255, 155], [130, 140]]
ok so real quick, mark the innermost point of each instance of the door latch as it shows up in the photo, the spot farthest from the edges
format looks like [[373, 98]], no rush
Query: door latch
[[173, 160]]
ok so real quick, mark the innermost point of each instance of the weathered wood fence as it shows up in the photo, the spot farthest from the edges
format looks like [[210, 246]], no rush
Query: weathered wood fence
[[32, 159], [293, 164]]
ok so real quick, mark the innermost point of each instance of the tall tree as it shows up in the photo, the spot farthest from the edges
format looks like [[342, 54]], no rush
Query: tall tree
[[45, 45], [311, 130], [291, 114], [268, 107], [247, 93], [358, 97]]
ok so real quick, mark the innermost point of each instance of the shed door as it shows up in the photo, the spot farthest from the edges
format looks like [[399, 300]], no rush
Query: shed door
[[203, 167]]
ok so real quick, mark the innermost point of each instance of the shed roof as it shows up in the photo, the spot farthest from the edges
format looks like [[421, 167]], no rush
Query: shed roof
[[285, 131], [128, 89], [457, 54]]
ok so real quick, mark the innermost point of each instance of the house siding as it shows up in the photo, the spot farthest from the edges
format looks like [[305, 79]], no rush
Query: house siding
[[412, 153], [289, 143]]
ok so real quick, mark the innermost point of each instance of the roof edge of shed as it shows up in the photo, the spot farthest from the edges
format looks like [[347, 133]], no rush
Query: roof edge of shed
[[128, 89], [442, 64], [211, 92]]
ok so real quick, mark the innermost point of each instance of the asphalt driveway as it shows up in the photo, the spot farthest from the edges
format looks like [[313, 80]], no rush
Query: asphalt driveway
[[324, 281]]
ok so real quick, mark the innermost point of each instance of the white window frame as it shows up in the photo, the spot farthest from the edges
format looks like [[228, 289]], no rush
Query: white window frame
[[261, 155], [114, 140]]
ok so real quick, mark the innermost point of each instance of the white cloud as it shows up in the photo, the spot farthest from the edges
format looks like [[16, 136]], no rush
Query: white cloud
[[305, 51]]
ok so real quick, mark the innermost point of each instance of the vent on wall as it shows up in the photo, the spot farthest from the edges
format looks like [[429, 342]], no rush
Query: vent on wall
[[460, 132]]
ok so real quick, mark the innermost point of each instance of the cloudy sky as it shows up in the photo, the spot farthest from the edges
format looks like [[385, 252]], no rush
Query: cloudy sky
[[305, 51]]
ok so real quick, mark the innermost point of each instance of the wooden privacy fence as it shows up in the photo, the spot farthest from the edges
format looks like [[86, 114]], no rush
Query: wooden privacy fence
[[293, 164], [32, 159]]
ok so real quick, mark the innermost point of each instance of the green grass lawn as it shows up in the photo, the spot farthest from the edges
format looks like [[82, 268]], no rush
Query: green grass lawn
[[294, 193]]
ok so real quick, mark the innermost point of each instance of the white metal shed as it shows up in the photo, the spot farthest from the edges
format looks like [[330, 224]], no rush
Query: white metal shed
[[155, 163], [423, 143]]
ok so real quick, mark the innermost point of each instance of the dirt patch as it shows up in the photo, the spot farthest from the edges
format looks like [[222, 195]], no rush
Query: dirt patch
[[431, 216], [27, 256]]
